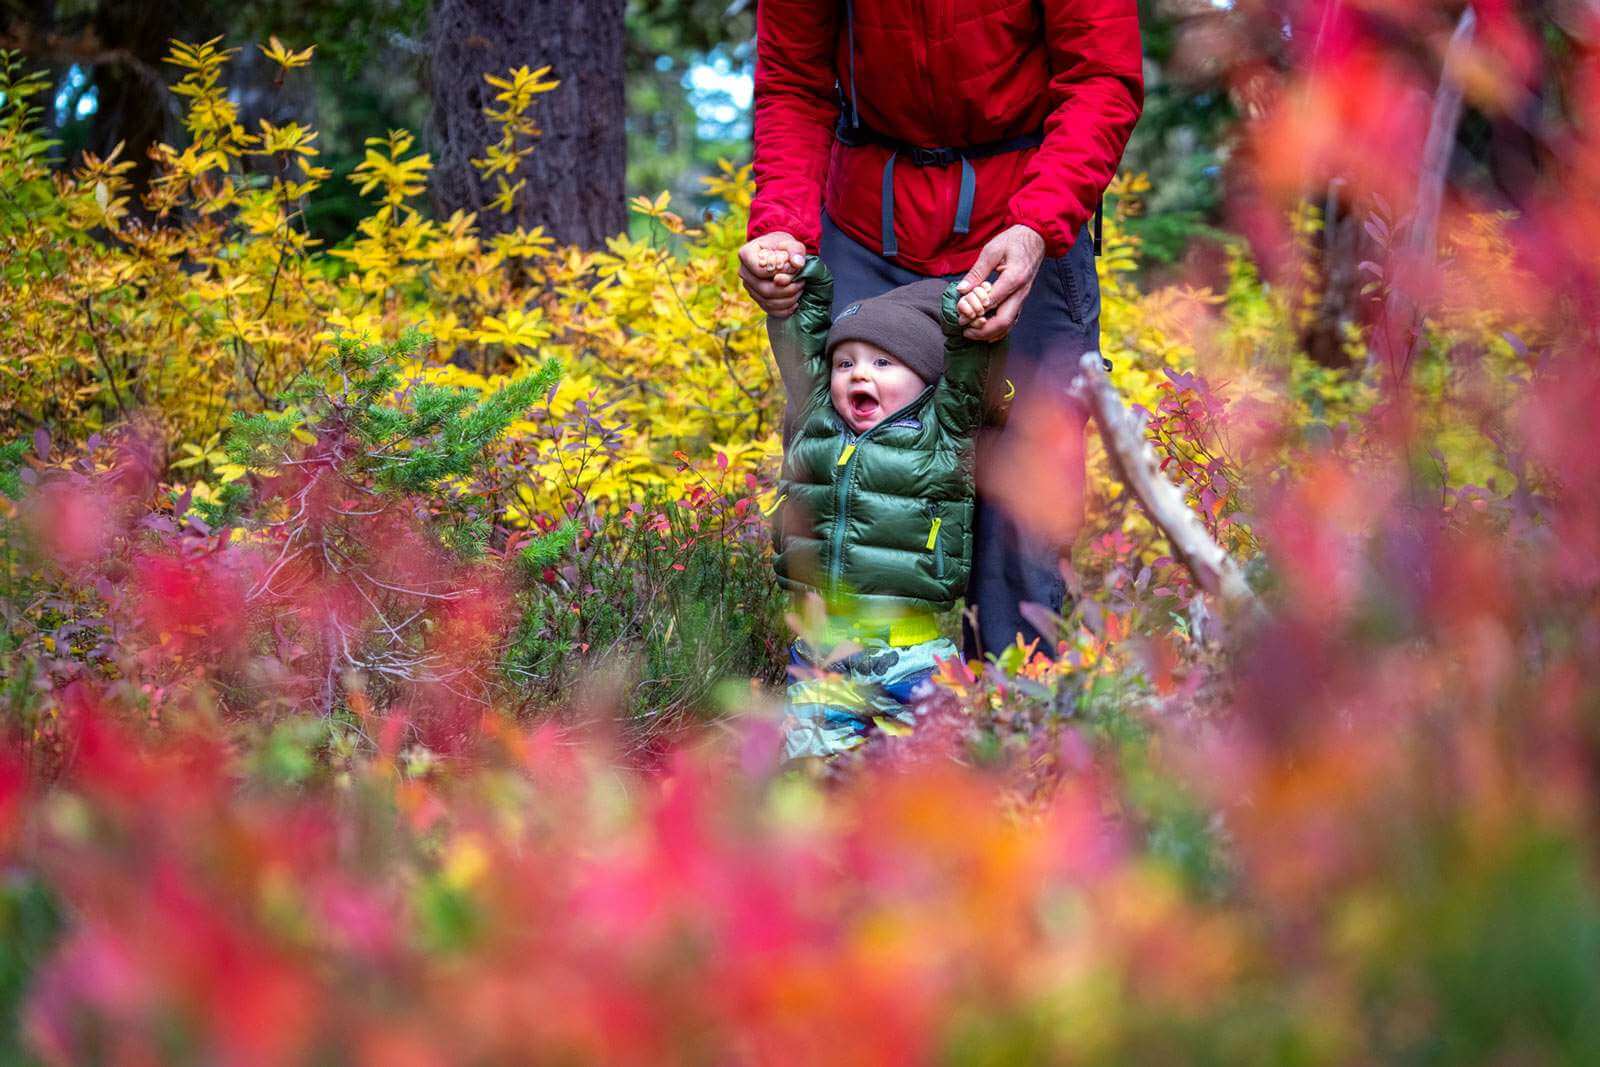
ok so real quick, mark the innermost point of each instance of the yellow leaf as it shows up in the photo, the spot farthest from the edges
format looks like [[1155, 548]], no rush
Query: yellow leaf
[[274, 50]]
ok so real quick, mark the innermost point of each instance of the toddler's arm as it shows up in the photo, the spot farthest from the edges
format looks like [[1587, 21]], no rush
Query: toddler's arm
[[799, 341], [958, 400]]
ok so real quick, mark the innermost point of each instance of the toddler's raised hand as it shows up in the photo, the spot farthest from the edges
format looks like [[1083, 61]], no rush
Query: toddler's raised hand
[[769, 260], [972, 307], [767, 267]]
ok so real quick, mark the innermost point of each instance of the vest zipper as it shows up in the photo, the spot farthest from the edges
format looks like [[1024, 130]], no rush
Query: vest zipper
[[841, 513], [935, 540], [841, 504]]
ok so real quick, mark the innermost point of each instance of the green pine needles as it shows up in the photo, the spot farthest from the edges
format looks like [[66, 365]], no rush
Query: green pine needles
[[548, 549], [10, 468], [402, 437]]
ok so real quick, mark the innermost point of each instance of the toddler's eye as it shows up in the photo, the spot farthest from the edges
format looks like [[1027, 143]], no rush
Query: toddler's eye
[[880, 362]]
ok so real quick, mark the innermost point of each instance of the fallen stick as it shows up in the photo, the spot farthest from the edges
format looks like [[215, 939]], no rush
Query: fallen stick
[[1135, 461]]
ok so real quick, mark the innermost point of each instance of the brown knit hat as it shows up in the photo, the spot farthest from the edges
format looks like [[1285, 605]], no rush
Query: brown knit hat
[[904, 322]]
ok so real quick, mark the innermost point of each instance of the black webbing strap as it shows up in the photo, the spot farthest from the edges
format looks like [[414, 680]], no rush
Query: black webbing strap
[[854, 135]]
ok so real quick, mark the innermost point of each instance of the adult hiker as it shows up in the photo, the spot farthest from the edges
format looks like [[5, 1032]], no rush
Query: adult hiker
[[903, 139]]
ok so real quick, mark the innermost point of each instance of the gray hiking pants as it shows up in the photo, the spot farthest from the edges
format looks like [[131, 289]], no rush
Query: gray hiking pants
[[1060, 321]]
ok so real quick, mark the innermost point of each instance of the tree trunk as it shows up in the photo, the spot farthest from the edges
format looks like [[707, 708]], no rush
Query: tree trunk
[[1412, 261], [575, 175], [135, 107], [1337, 308]]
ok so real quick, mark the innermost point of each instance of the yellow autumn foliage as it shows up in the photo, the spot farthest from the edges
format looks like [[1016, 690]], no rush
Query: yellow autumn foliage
[[218, 301], [214, 306]]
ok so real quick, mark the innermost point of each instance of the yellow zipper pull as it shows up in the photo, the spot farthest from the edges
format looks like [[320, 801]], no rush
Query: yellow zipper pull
[[776, 504], [844, 457], [933, 534]]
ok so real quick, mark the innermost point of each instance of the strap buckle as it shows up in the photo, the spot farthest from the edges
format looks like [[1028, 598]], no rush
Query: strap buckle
[[934, 157]]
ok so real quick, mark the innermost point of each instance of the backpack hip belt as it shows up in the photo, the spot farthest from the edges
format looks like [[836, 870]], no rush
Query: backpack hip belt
[[857, 135]]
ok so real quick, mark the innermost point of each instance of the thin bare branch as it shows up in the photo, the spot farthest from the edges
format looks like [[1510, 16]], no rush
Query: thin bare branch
[[1135, 460], [1402, 311]]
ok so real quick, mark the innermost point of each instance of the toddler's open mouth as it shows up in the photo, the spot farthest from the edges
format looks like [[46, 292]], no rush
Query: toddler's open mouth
[[863, 404]]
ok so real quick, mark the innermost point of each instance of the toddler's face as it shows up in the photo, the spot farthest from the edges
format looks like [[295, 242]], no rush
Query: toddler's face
[[867, 384]]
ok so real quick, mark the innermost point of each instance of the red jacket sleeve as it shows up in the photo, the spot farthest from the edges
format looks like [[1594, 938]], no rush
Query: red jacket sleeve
[[796, 108], [1096, 93]]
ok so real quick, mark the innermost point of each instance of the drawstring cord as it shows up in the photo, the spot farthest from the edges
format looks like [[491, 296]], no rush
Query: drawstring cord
[[891, 247], [850, 35]]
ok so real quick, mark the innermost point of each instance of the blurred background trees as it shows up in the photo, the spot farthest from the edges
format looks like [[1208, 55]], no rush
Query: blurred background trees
[[110, 86], [690, 65], [653, 91]]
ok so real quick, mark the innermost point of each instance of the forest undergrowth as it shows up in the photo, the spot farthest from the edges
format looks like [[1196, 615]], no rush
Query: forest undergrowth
[[391, 659]]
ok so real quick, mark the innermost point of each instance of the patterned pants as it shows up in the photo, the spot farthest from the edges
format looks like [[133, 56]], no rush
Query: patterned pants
[[832, 706]]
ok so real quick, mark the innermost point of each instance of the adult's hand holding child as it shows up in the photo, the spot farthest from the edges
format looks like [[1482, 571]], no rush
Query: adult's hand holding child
[[767, 267], [1013, 256]]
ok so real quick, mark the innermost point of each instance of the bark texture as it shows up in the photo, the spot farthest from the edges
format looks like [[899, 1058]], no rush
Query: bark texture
[[1338, 306], [576, 173]]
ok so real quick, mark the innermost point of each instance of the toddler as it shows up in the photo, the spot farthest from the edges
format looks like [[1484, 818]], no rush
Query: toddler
[[875, 504]]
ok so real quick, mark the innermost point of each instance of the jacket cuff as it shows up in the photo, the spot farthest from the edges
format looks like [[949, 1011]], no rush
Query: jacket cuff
[[773, 222], [1058, 240]]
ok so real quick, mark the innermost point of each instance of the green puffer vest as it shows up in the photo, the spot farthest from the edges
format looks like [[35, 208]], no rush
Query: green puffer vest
[[880, 522]]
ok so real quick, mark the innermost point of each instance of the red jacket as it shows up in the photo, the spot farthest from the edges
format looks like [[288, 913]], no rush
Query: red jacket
[[942, 73]]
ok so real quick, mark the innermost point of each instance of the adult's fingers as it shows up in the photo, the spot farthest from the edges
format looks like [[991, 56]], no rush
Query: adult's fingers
[[778, 301], [778, 309], [768, 289], [769, 296], [781, 309], [1011, 280], [988, 260], [782, 287]]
